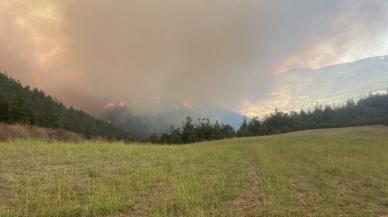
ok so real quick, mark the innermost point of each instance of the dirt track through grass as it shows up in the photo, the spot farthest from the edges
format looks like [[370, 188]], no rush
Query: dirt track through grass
[[339, 172], [248, 201]]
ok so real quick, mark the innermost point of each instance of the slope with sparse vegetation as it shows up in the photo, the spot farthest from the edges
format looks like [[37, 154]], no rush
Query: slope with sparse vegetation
[[338, 172]]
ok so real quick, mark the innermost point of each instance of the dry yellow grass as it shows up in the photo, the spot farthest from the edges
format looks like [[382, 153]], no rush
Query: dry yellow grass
[[18, 131]]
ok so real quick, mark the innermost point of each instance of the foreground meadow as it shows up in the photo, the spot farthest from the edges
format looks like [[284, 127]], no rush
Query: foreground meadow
[[339, 172]]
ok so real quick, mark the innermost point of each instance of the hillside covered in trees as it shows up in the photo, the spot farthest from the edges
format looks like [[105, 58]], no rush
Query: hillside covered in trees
[[371, 110], [23, 105]]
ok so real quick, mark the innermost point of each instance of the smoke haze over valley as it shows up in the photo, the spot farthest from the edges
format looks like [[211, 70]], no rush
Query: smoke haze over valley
[[217, 58]]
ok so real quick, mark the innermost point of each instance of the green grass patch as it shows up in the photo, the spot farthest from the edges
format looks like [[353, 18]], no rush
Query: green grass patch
[[339, 172]]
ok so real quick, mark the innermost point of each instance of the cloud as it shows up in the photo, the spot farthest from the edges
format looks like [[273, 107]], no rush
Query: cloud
[[221, 52]]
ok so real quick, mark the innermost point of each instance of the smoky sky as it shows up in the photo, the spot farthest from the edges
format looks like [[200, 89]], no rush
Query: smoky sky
[[222, 52]]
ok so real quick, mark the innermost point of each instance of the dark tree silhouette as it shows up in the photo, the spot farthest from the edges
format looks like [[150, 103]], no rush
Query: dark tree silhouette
[[19, 104]]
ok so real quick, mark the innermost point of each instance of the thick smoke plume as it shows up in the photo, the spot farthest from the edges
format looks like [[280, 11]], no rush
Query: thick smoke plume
[[223, 52]]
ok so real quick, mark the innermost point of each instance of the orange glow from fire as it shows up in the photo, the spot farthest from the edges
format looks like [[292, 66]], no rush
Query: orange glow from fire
[[188, 104], [110, 105]]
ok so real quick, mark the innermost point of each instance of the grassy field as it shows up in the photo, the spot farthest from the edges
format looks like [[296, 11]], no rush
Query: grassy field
[[339, 172]]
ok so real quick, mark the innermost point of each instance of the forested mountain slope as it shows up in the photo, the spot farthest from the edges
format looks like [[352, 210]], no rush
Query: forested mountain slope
[[21, 104]]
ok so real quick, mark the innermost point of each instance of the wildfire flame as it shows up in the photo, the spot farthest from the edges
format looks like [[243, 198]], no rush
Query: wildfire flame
[[110, 105]]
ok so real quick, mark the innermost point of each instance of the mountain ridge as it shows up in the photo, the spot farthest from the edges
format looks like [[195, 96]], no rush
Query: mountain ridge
[[305, 88]]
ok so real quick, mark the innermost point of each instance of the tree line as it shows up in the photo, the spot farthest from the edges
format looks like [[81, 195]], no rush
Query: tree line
[[371, 110], [21, 104], [190, 132]]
